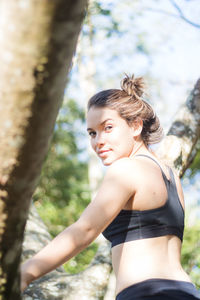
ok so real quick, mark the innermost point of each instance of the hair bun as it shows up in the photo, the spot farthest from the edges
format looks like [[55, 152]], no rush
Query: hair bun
[[134, 87]]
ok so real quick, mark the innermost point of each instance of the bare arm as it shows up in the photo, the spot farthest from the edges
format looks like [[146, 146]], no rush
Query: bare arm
[[114, 192]]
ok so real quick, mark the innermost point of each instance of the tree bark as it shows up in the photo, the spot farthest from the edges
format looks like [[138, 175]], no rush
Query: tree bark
[[178, 147], [37, 42]]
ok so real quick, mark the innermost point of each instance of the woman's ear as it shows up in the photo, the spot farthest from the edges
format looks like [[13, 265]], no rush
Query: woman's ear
[[137, 127]]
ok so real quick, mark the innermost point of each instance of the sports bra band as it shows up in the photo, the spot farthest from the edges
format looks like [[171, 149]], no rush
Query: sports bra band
[[170, 170]]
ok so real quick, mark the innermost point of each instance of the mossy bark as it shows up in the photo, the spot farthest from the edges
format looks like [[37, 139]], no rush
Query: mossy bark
[[37, 42], [179, 146]]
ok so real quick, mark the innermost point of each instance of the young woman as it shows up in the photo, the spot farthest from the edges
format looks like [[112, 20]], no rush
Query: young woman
[[139, 206]]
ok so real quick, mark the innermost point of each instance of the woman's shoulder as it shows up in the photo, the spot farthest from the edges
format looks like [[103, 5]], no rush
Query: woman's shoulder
[[125, 168], [124, 163]]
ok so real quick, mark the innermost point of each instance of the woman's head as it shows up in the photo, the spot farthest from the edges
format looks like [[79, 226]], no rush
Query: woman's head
[[110, 135], [131, 107]]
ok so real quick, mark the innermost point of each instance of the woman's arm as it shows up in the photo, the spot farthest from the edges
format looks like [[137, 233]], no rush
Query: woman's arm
[[67, 244], [114, 192]]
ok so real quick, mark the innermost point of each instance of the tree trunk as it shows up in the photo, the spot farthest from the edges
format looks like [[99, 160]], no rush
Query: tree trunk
[[91, 284], [179, 146], [37, 42]]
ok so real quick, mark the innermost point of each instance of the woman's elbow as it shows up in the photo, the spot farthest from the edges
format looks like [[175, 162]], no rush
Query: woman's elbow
[[85, 234]]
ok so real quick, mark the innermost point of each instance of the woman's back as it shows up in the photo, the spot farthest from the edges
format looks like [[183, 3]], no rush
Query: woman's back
[[156, 255]]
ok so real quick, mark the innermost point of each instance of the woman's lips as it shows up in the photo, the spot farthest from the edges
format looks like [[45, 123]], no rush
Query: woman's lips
[[103, 153]]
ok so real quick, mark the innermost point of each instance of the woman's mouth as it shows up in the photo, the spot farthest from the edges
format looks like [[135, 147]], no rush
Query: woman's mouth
[[103, 153]]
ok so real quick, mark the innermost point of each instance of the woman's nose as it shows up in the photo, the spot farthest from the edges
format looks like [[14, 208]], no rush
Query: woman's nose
[[100, 140]]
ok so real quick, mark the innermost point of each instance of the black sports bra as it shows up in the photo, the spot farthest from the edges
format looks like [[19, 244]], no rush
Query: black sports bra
[[130, 225]]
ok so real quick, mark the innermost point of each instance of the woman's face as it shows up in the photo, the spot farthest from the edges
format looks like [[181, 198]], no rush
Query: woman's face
[[111, 137]]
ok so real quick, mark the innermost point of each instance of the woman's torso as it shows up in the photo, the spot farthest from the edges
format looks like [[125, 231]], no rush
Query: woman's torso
[[157, 257]]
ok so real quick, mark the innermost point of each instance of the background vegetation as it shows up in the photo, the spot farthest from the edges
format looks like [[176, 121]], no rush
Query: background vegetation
[[191, 254], [63, 191]]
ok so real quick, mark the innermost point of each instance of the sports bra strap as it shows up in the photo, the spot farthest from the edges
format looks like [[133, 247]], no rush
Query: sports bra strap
[[170, 171]]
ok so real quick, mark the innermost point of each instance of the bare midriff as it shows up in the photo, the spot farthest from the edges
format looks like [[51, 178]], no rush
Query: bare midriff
[[136, 261]]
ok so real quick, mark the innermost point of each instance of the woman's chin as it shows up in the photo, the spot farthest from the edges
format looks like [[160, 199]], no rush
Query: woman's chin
[[108, 162]]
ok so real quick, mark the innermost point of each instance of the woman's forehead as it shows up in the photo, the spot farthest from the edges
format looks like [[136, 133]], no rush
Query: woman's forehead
[[97, 115]]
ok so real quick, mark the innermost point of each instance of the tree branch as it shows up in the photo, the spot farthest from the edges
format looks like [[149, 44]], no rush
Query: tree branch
[[179, 16], [182, 15], [179, 146]]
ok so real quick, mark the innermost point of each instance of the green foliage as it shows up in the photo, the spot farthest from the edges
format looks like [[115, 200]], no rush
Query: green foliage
[[191, 244], [63, 190], [191, 253], [79, 263], [103, 12], [195, 166]]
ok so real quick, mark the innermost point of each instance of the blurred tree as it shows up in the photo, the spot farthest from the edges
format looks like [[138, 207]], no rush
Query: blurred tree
[[38, 39], [195, 166]]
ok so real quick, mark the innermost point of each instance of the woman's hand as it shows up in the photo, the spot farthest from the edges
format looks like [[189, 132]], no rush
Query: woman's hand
[[23, 283], [25, 278]]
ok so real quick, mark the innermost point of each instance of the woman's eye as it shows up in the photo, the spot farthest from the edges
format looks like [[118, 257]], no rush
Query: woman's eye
[[92, 133], [108, 127]]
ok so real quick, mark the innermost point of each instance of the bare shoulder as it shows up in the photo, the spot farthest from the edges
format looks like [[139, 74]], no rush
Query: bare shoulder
[[123, 166], [125, 170]]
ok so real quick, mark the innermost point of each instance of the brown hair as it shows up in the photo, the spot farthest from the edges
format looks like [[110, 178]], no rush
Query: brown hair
[[129, 104]]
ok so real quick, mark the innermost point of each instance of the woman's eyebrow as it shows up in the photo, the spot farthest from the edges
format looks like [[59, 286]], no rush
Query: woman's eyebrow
[[102, 123]]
